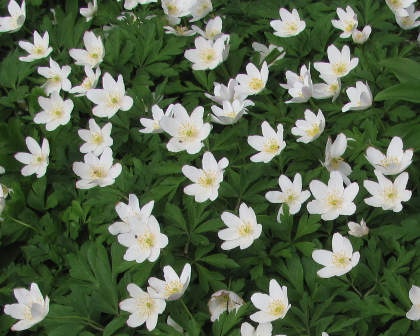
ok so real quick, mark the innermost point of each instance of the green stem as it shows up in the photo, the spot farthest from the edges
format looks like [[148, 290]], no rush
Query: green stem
[[344, 279], [29, 226], [313, 105], [190, 315]]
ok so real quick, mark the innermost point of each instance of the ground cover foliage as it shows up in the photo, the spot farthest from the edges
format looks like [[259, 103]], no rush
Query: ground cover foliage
[[56, 235]]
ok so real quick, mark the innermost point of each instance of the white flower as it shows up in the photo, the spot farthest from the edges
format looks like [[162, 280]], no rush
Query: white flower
[[37, 50], [409, 21], [230, 113], [56, 111], [111, 98], [386, 194], [128, 211], [222, 93], [97, 171], [37, 161], [399, 6], [293, 78], [301, 91], [31, 309], [223, 300], [174, 286], [142, 307], [94, 53], [310, 128], [347, 23], [270, 144], [213, 29], [358, 230], [333, 159], [340, 63], [331, 88], [289, 25], [272, 306], [179, 31], [264, 51], [263, 329], [254, 81], [360, 97], [153, 125], [130, 4], [188, 132], [206, 180], [361, 36], [175, 325], [200, 9], [175, 9], [338, 262], [395, 161], [90, 11], [291, 194], [332, 200], [144, 241], [16, 19], [97, 139], [242, 230], [414, 312], [207, 55], [90, 81], [57, 77]]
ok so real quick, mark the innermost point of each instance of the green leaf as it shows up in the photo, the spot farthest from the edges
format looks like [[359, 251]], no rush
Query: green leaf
[[220, 260], [406, 91], [406, 70], [114, 325]]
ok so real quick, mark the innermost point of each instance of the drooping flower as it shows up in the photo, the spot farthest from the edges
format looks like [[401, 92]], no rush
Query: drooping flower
[[39, 49], [56, 111], [331, 88], [332, 200], [97, 171], [174, 286], [200, 9], [57, 77], [395, 161], [208, 54], [153, 125], [188, 132], [111, 98], [361, 36], [347, 23], [16, 19], [310, 128], [30, 309], [94, 53], [142, 306], [386, 194], [213, 29], [289, 25], [223, 300], [97, 139], [206, 180], [242, 230], [144, 241], [360, 97], [263, 329], [414, 312], [272, 306], [399, 7], [358, 230], [230, 113], [37, 161], [254, 81], [340, 63], [179, 31], [338, 262], [89, 83], [264, 51], [90, 11], [333, 160], [409, 21], [270, 144]]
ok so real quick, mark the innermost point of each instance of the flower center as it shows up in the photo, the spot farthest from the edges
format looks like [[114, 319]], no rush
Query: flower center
[[38, 49], [203, 7], [289, 197], [188, 132], [256, 84], [147, 305], [313, 131], [335, 161], [147, 240], [208, 55], [181, 30], [173, 287], [245, 229], [97, 138], [97, 172], [333, 88], [87, 83], [388, 160], [339, 68], [291, 27], [394, 3], [271, 146], [350, 25], [389, 194], [114, 99], [172, 9], [276, 307], [38, 159], [334, 200], [340, 260], [407, 21], [57, 112], [211, 33], [207, 180]]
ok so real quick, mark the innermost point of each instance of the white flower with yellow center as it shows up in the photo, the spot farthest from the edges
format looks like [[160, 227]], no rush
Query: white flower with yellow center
[[338, 262], [206, 180], [289, 25], [16, 19], [94, 53], [179, 31], [208, 54], [264, 51], [90, 11], [213, 29], [88, 83], [176, 9], [361, 36], [301, 91], [37, 161], [111, 98], [97, 139], [386, 194], [272, 306], [395, 161], [409, 21], [293, 78], [174, 286], [332, 200], [399, 7], [37, 50], [230, 113], [56, 77], [223, 300], [153, 125], [270, 144], [340, 63], [333, 160], [347, 23], [144, 241], [223, 92], [200, 9], [360, 97], [254, 81], [188, 132], [142, 307], [242, 230], [331, 88], [56, 111], [358, 230], [310, 128], [414, 312], [31, 309]]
